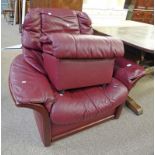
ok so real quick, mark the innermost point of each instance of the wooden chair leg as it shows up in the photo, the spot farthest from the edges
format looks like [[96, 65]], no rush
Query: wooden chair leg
[[118, 111]]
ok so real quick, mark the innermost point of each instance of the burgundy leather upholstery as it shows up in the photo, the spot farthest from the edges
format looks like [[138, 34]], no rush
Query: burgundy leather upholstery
[[51, 21], [128, 72], [31, 30], [27, 84], [54, 17], [71, 59], [58, 129], [34, 58], [84, 23], [68, 110], [73, 73], [75, 106], [58, 56], [82, 46]]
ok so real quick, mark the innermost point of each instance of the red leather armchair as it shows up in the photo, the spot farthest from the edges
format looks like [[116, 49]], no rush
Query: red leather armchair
[[67, 75]]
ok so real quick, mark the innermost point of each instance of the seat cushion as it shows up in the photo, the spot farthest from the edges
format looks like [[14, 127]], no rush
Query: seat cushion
[[74, 106], [28, 85], [73, 73]]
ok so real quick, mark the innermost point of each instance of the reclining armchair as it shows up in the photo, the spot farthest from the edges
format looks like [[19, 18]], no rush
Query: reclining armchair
[[71, 78]]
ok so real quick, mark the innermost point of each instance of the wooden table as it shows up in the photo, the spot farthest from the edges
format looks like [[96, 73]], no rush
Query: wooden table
[[138, 35], [134, 34]]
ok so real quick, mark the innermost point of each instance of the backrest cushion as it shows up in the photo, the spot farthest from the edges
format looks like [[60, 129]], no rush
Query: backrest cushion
[[31, 30], [84, 23], [54, 20], [39, 22]]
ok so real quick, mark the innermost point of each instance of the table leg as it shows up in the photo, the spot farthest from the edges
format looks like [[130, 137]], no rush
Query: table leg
[[131, 104]]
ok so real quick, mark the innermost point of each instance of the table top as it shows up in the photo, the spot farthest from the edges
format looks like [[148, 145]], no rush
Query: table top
[[136, 34]]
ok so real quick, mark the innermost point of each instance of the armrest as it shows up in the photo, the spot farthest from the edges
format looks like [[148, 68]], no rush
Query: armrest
[[27, 85], [64, 45], [128, 72]]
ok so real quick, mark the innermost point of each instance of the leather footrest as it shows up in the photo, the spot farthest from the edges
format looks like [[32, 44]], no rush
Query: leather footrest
[[128, 72]]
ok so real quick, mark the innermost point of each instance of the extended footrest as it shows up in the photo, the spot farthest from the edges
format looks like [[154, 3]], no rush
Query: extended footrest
[[128, 72]]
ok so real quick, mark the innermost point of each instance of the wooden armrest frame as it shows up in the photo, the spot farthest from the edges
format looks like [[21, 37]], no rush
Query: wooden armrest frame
[[41, 116]]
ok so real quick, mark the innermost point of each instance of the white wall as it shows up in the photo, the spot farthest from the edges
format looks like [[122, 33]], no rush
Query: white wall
[[104, 12], [104, 4]]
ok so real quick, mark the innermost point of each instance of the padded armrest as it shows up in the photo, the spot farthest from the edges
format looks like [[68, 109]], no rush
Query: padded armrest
[[28, 85], [128, 72], [64, 45]]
